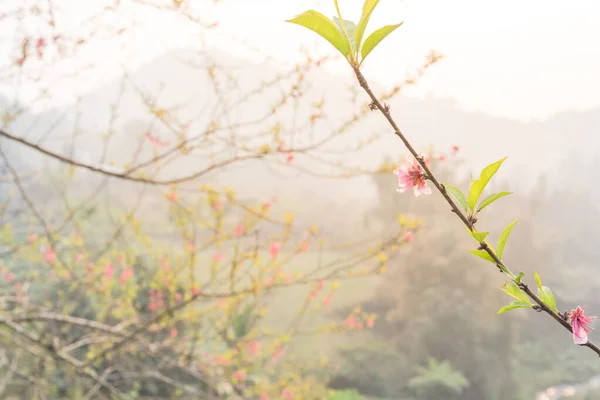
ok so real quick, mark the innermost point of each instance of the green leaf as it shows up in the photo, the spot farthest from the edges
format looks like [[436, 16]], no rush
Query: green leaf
[[350, 28], [513, 290], [483, 254], [538, 280], [512, 306], [320, 24], [457, 194], [519, 277], [368, 8], [479, 236], [504, 237], [490, 199], [479, 185], [375, 38], [548, 297]]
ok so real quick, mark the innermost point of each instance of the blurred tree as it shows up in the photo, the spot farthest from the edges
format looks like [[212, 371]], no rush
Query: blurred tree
[[435, 302]]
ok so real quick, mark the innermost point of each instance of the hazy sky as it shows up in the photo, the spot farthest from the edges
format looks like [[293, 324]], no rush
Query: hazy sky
[[517, 58]]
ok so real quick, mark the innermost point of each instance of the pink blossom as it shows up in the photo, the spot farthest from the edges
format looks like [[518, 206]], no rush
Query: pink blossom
[[78, 257], [287, 394], [277, 354], [178, 296], [412, 176], [239, 375], [304, 245], [33, 237], [253, 348], [327, 300], [581, 325], [264, 396], [195, 291], [155, 140], [50, 255], [239, 230], [9, 277], [274, 249], [109, 270], [126, 275], [442, 158], [455, 150], [290, 157], [222, 361], [370, 323], [218, 256], [173, 333], [39, 46], [354, 322], [408, 237]]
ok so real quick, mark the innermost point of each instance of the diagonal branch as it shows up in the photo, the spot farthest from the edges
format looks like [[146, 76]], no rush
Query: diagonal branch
[[384, 109]]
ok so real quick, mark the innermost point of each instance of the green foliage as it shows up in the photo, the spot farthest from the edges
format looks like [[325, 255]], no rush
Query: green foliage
[[478, 186], [479, 236], [483, 254], [519, 277], [513, 290], [545, 293], [512, 306], [504, 238], [321, 25], [375, 38], [349, 27], [458, 195], [346, 36], [242, 321], [438, 374], [490, 199], [368, 8], [548, 298]]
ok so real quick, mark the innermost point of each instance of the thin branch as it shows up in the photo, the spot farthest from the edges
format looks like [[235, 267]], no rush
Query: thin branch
[[384, 109]]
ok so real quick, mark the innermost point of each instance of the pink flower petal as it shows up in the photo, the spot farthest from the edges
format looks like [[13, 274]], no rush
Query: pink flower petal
[[274, 249]]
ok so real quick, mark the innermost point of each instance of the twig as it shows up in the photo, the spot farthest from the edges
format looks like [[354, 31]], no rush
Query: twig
[[385, 110]]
